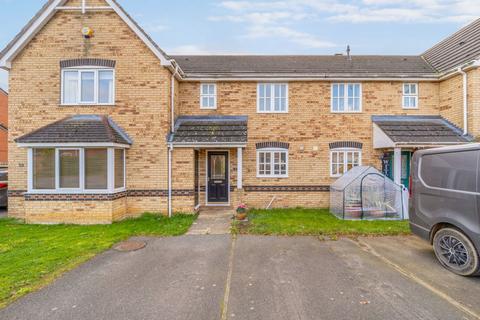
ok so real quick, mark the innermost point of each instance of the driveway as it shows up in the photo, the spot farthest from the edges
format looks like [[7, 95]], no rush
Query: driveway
[[252, 277]]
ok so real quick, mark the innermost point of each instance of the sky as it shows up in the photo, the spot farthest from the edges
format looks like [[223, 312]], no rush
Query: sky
[[280, 26]]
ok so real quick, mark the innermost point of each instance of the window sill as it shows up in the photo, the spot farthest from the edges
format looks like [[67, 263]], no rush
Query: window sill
[[205, 108], [70, 191], [346, 112], [273, 112], [272, 177], [87, 104], [409, 108]]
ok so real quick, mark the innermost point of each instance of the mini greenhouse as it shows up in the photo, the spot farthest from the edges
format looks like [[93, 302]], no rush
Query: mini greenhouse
[[365, 193]]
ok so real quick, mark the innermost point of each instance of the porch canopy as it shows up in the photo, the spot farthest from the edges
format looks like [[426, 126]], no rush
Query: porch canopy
[[210, 131], [78, 130], [415, 132]]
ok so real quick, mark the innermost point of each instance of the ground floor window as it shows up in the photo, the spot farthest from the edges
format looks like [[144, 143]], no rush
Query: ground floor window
[[342, 160], [272, 163], [75, 170]]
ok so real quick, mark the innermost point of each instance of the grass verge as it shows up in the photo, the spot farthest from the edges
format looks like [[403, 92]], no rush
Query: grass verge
[[31, 256], [301, 221]]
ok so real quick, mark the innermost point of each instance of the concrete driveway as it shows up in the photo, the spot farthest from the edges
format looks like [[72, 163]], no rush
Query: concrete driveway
[[250, 277]]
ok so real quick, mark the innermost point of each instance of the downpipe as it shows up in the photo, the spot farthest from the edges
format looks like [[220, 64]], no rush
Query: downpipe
[[465, 100]]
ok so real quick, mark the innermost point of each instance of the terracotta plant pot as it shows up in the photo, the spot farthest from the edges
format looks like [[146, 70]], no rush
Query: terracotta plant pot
[[240, 215]]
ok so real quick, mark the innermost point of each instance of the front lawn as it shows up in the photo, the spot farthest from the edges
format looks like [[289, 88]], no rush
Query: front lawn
[[33, 255], [300, 221]]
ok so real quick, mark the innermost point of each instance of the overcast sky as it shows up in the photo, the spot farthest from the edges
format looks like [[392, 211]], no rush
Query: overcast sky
[[280, 26]]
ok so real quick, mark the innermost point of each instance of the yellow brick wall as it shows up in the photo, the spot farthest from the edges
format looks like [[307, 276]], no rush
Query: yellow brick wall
[[141, 103], [69, 212], [451, 100]]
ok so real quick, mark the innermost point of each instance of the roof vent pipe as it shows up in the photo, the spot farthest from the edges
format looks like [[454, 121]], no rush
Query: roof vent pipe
[[348, 53]]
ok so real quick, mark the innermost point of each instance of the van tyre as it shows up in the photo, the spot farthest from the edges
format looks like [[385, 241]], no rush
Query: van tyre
[[456, 252]]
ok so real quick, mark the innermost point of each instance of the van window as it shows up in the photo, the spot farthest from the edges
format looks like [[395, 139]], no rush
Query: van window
[[454, 171]]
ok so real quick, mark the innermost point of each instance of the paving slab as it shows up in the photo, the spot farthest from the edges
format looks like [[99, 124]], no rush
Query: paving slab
[[212, 220]]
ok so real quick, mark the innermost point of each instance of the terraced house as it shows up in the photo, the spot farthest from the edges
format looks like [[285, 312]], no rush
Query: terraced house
[[104, 125]]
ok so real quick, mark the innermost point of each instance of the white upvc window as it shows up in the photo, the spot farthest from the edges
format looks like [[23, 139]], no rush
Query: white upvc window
[[272, 98], [346, 97], [410, 96], [76, 170], [272, 163], [342, 160], [90, 86], [208, 96]]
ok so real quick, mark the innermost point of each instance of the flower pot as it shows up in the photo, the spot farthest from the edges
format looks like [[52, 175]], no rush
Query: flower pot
[[240, 216]]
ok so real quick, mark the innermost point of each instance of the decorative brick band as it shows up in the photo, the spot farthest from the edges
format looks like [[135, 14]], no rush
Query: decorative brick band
[[287, 188], [96, 196], [81, 62], [346, 144], [265, 145], [16, 193], [74, 197], [160, 193]]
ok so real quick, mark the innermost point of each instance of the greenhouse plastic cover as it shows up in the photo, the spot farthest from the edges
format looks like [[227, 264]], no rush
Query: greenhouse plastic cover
[[365, 193]]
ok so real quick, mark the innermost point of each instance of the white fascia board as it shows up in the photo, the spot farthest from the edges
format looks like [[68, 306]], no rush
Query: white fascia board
[[74, 144], [208, 145], [163, 59], [380, 139], [274, 78], [47, 14]]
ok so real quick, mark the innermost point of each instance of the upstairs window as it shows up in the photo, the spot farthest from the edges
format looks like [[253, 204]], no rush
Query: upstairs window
[[410, 96], [342, 160], [346, 97], [88, 86], [208, 96], [272, 97]]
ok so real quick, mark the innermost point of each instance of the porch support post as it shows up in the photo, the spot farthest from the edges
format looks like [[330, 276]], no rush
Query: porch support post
[[239, 168], [397, 165]]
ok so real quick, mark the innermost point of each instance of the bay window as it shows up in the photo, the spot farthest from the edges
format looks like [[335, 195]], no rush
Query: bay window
[[342, 160], [88, 86], [76, 170], [272, 163]]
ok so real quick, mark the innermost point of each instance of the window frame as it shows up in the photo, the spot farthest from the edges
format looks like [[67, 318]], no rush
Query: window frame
[[81, 190], [85, 69], [404, 95], [272, 98], [345, 152], [345, 97], [214, 95], [272, 151]]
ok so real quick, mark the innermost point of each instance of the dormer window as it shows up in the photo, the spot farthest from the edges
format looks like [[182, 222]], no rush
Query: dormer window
[[88, 86]]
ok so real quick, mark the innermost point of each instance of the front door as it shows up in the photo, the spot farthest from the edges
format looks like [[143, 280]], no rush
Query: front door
[[405, 170], [217, 177]]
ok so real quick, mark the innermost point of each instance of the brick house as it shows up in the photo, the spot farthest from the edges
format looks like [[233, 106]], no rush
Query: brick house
[[105, 125], [3, 128]]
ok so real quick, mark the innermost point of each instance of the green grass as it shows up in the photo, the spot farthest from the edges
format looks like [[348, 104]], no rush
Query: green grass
[[31, 256], [300, 221]]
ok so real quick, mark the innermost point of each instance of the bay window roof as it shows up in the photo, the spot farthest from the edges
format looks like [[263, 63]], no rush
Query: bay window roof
[[78, 129]]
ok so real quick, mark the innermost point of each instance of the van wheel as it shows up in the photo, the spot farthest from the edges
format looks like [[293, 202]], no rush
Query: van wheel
[[456, 252]]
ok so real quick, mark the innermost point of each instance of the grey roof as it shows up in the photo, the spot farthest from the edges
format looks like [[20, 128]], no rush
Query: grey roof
[[420, 130], [80, 129], [4, 92], [461, 47], [210, 130], [316, 66]]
